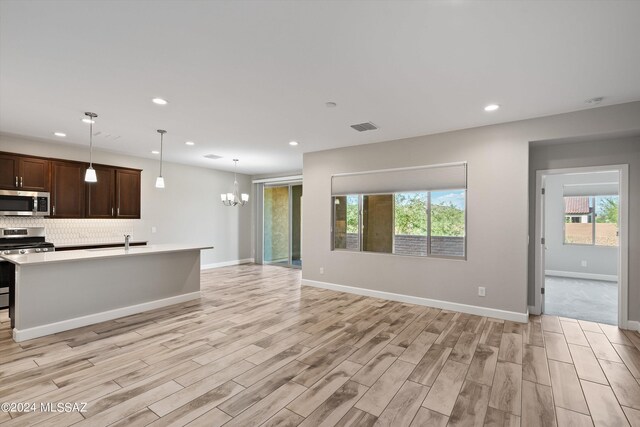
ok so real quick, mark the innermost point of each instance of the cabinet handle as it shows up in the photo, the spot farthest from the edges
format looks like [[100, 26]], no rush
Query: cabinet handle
[[54, 210], [16, 181], [112, 211], [118, 211], [21, 185]]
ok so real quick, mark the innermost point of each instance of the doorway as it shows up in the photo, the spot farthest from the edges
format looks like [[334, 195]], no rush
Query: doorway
[[581, 227], [282, 224]]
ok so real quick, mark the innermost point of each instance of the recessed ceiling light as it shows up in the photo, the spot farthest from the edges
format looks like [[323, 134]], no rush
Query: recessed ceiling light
[[88, 121], [159, 101], [331, 104], [190, 143], [491, 107], [293, 143], [60, 134], [155, 152]]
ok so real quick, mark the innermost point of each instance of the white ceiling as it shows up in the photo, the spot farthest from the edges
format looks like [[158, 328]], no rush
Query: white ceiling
[[244, 78]]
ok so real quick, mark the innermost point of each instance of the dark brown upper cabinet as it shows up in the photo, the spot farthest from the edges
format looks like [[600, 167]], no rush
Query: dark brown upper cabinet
[[24, 173], [67, 189], [101, 194], [8, 172], [127, 193], [116, 194]]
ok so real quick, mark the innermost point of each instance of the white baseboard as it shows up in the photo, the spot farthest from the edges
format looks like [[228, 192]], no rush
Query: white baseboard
[[464, 308], [227, 263], [634, 325], [578, 275], [65, 325]]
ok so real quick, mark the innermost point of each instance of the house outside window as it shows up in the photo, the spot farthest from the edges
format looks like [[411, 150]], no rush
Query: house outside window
[[591, 220]]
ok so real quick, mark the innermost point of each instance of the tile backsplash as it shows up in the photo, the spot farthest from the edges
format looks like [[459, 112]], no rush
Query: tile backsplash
[[61, 231]]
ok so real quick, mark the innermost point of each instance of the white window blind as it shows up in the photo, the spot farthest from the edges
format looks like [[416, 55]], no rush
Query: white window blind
[[596, 189], [433, 177]]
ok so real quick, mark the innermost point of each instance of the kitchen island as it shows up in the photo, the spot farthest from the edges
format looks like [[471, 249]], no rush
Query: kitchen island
[[59, 291]]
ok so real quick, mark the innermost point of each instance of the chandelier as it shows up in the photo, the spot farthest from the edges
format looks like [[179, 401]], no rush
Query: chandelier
[[235, 198]]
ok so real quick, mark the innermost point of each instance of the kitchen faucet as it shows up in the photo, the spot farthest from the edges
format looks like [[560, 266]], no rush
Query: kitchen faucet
[[126, 241]]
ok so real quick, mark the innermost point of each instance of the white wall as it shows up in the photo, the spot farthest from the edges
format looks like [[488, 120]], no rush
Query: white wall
[[497, 204], [601, 260], [188, 210]]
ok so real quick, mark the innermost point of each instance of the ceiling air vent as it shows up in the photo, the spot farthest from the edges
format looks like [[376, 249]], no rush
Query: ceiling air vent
[[107, 135], [361, 127], [213, 156]]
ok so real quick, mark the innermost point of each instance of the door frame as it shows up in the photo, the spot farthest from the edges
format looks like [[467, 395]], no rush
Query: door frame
[[623, 242]]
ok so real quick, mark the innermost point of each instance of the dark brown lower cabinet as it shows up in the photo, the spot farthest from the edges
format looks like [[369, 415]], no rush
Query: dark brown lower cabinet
[[67, 189]]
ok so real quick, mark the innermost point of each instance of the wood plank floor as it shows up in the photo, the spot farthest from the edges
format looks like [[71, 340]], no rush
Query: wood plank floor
[[259, 349]]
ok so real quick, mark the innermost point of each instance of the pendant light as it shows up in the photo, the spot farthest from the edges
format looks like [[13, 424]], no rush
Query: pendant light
[[90, 174], [160, 179], [235, 198]]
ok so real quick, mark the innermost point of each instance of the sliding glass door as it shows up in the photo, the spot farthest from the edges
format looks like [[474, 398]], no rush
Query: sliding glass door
[[282, 224]]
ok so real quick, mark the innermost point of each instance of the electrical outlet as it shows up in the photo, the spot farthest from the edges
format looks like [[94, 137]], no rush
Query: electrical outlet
[[321, 270], [154, 229], [583, 263], [481, 291]]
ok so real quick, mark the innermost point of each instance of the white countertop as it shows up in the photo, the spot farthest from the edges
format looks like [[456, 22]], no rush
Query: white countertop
[[86, 254]]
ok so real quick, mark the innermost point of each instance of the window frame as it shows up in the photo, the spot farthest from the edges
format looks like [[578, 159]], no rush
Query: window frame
[[429, 254]]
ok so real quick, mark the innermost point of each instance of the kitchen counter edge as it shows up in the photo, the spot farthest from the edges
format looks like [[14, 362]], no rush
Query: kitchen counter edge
[[91, 254]]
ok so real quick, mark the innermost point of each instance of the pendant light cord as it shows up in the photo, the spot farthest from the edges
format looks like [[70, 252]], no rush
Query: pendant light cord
[[91, 141], [161, 150]]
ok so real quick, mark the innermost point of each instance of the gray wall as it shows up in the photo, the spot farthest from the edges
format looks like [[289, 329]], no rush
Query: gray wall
[[595, 153], [497, 204], [188, 210], [568, 258]]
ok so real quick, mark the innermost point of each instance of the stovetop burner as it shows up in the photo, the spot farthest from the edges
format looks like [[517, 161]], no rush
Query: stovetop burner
[[23, 241]]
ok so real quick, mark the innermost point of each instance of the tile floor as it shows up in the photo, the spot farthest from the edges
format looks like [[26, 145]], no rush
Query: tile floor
[[259, 349]]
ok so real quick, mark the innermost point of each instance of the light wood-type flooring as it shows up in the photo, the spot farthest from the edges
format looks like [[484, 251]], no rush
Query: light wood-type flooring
[[259, 349]]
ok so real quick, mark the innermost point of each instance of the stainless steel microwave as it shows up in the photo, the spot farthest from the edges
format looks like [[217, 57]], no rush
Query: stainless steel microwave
[[24, 203]]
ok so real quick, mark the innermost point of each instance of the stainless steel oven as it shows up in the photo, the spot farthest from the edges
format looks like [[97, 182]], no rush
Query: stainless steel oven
[[18, 241], [24, 203]]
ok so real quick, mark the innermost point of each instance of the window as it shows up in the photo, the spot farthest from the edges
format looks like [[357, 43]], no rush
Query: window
[[416, 211], [447, 223], [411, 223], [418, 223], [347, 222], [606, 224], [591, 220], [377, 223]]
